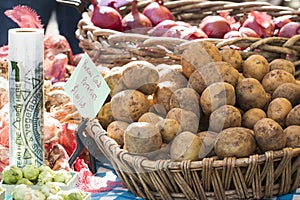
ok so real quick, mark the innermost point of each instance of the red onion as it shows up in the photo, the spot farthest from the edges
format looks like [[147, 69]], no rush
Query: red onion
[[157, 12], [261, 23], [183, 32], [136, 21], [281, 21], [214, 26], [115, 3], [106, 17], [290, 29], [164, 26], [233, 34], [248, 32]]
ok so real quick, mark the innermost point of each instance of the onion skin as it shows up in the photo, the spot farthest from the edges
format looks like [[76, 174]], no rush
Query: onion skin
[[157, 12], [135, 21], [106, 17], [261, 23], [214, 26], [183, 32], [289, 30], [248, 32], [164, 26], [279, 22]]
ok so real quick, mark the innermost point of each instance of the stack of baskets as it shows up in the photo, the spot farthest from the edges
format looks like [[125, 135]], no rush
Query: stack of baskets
[[257, 176]]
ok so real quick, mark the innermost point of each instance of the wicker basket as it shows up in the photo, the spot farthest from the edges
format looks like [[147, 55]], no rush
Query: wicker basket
[[258, 176]]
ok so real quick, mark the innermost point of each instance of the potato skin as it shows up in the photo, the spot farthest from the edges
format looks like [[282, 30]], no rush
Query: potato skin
[[292, 136], [251, 94], [208, 139], [275, 78], [290, 91], [197, 54], [269, 135], [150, 117], [142, 137], [116, 131], [188, 120], [211, 73], [168, 129], [129, 105], [278, 110], [284, 64], [224, 117], [105, 115], [185, 146], [235, 142], [233, 57], [251, 116], [256, 66], [217, 95], [293, 118]]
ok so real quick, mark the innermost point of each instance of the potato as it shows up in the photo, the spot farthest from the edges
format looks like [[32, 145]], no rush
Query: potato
[[114, 80], [251, 116], [140, 75], [233, 57], [53, 98], [208, 139], [185, 146], [217, 95], [150, 117], [187, 119], [116, 131], [212, 73], [293, 118], [235, 142], [278, 110], [284, 64], [162, 95], [187, 99], [290, 91], [251, 94], [224, 117], [129, 105], [197, 54], [256, 66], [105, 116], [269, 135], [275, 78], [142, 137], [292, 136], [168, 129], [173, 75]]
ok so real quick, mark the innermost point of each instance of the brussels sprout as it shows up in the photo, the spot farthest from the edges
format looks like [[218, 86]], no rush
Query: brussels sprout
[[62, 176], [44, 177], [31, 172], [44, 168], [76, 194], [55, 197], [24, 181], [50, 188], [11, 174]]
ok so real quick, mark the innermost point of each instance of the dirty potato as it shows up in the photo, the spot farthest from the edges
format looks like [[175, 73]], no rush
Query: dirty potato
[[251, 94], [185, 146], [292, 136], [235, 142], [290, 91], [278, 110], [284, 64], [233, 57], [188, 120], [217, 95], [129, 105], [211, 73], [116, 130], [251, 116], [256, 66], [208, 139], [168, 129], [269, 135], [224, 117], [114, 80], [142, 137], [275, 78], [140, 75], [150, 117], [293, 118], [105, 116]]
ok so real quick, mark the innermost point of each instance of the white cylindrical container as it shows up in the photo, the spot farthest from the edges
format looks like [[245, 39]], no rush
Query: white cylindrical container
[[26, 97]]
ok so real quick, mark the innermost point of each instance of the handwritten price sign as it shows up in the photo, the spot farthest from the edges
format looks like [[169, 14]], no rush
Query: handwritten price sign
[[87, 88]]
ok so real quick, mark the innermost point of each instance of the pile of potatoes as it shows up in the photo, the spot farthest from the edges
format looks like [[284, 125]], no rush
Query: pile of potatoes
[[213, 104]]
